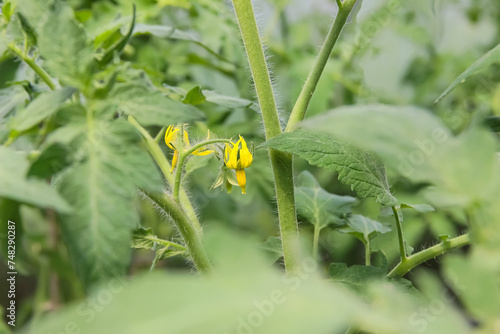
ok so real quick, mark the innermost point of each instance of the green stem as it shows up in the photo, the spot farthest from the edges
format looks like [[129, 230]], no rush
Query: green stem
[[418, 258], [368, 254], [182, 158], [401, 239], [317, 231], [166, 243], [186, 228], [300, 108], [258, 66], [31, 63], [162, 162], [281, 162]]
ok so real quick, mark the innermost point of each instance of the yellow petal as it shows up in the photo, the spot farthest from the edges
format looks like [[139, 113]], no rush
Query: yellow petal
[[232, 162], [227, 153], [245, 155], [186, 140], [242, 180], [174, 160], [169, 135]]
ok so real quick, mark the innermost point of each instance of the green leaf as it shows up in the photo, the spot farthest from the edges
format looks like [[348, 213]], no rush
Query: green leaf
[[318, 206], [52, 160], [15, 185], [63, 45], [141, 238], [363, 228], [196, 162], [40, 108], [249, 297], [490, 58], [404, 136], [194, 96], [145, 239], [162, 31], [414, 143], [151, 107], [422, 208], [360, 169], [101, 187], [356, 277], [27, 28], [118, 47], [36, 12], [10, 98], [226, 101], [211, 96], [475, 284], [223, 303], [273, 248]]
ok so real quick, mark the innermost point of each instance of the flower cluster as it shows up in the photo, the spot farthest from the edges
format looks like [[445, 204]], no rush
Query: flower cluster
[[174, 141], [237, 156], [238, 159]]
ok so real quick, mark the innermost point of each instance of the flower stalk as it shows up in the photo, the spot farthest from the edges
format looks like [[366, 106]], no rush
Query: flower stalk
[[182, 159], [427, 254]]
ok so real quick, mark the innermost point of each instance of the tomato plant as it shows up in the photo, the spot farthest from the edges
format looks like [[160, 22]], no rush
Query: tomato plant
[[356, 197]]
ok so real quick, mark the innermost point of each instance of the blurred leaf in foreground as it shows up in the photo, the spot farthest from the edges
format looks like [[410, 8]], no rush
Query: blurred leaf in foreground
[[245, 296], [15, 185]]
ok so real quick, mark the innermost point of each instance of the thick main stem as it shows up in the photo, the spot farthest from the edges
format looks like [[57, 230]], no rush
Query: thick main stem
[[418, 258], [281, 162], [186, 228], [300, 108]]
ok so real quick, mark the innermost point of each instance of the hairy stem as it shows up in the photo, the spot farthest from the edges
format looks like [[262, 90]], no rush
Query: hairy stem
[[186, 228], [182, 159], [31, 63], [418, 258], [401, 239], [300, 108], [281, 162], [162, 162]]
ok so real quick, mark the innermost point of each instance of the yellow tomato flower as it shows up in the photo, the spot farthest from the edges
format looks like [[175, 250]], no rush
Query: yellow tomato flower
[[173, 141], [238, 159]]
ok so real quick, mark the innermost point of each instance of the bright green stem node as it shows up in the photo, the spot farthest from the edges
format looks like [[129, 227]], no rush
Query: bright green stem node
[[281, 162], [162, 162], [418, 258], [300, 108], [186, 228]]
